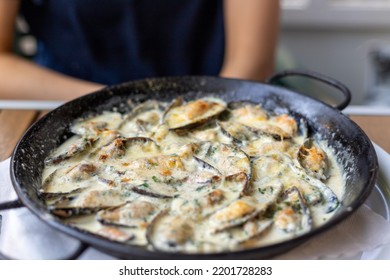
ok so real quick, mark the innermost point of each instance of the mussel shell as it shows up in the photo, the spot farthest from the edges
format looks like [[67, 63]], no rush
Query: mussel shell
[[179, 101], [265, 146], [193, 113], [143, 119], [87, 202], [148, 105], [313, 159], [239, 133], [294, 216], [94, 125], [330, 202], [81, 144], [228, 159], [121, 149], [258, 120], [70, 178], [134, 214], [242, 234], [235, 214], [202, 200], [169, 232]]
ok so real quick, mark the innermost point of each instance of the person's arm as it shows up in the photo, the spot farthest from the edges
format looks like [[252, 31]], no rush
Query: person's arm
[[251, 31], [22, 79]]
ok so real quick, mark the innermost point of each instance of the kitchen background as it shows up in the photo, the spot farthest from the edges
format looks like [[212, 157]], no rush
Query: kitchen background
[[345, 39]]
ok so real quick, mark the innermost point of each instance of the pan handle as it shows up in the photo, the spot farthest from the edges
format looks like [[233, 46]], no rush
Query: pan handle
[[79, 251], [11, 204], [319, 77]]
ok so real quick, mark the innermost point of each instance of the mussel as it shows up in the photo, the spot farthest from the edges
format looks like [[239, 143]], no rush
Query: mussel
[[258, 120], [123, 148], [75, 146], [143, 119], [329, 200], [133, 214], [170, 233], [193, 113], [68, 179], [292, 214], [236, 213], [313, 159], [228, 159], [95, 125], [87, 202]]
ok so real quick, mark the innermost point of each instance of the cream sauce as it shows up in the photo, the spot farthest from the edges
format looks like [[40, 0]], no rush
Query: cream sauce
[[210, 191]]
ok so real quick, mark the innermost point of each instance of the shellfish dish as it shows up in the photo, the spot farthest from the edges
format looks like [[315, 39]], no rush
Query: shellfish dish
[[193, 176]]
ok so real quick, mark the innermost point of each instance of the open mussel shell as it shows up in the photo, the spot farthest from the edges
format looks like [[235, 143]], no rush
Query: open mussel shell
[[246, 208], [285, 123], [280, 127], [253, 228], [268, 167], [170, 233], [141, 147], [143, 119], [123, 148], [149, 105], [157, 176], [329, 200], [240, 235], [94, 125], [193, 113], [134, 214], [313, 159], [235, 214], [204, 199], [275, 165], [239, 182], [74, 147], [228, 159], [239, 133], [293, 215], [265, 146], [112, 150], [179, 101], [87, 202], [70, 178]]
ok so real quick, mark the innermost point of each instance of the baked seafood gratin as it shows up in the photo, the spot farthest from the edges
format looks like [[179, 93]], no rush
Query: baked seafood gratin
[[198, 176]]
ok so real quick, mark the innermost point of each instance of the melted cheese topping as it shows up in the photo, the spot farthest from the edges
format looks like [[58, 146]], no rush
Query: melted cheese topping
[[176, 178]]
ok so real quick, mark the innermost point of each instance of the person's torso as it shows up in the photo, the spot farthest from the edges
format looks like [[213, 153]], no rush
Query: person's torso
[[112, 41]]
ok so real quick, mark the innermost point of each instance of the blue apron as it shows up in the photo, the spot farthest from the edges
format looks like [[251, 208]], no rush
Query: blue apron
[[112, 41]]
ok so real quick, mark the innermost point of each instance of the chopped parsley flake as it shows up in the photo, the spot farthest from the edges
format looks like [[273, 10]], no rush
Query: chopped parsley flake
[[155, 179]]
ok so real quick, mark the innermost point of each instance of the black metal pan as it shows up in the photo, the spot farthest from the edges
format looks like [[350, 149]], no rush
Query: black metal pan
[[354, 149]]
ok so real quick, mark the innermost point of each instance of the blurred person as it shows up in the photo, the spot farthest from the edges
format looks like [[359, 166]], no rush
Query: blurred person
[[84, 45]]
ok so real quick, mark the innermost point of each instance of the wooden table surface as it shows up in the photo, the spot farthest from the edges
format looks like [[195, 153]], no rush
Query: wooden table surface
[[14, 122]]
